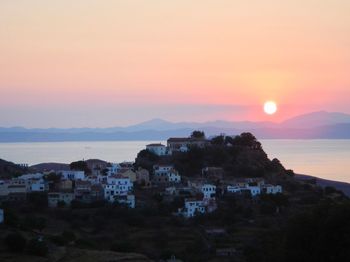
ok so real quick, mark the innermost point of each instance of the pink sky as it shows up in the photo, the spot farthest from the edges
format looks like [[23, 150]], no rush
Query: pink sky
[[107, 63]]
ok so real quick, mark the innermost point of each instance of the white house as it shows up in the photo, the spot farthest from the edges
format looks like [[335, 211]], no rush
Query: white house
[[114, 190], [254, 190], [1, 216], [73, 175], [193, 207], [174, 177], [119, 180], [38, 186], [117, 186], [112, 169], [165, 174], [234, 189], [271, 189], [158, 149], [209, 190]]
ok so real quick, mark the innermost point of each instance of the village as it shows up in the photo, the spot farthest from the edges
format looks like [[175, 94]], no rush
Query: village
[[116, 183], [190, 199]]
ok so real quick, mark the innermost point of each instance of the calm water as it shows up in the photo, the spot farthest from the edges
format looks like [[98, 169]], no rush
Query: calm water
[[329, 159]]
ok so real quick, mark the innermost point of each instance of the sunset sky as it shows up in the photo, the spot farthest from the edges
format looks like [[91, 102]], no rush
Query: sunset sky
[[109, 63]]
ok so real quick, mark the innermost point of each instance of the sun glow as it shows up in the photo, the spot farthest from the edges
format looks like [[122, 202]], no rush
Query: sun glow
[[270, 107]]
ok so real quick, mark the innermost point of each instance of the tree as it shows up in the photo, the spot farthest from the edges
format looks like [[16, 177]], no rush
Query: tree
[[15, 242], [198, 134], [80, 166], [53, 177], [218, 140]]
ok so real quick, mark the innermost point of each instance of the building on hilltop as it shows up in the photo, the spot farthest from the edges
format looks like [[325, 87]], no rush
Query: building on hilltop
[[158, 149], [182, 144]]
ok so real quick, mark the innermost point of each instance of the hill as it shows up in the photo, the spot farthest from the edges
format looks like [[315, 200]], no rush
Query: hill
[[9, 169], [316, 125]]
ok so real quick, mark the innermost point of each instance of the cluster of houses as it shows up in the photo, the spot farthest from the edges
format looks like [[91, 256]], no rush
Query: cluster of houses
[[200, 196], [253, 186], [115, 185]]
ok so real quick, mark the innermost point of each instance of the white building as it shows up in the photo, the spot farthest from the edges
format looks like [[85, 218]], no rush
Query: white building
[[234, 189], [254, 190], [73, 175], [174, 177], [112, 169], [270, 189], [1, 216], [209, 190], [118, 189], [158, 149], [193, 207], [123, 182], [38, 186], [114, 190], [165, 174], [261, 188]]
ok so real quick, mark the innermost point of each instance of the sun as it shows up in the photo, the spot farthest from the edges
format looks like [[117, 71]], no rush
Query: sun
[[270, 107]]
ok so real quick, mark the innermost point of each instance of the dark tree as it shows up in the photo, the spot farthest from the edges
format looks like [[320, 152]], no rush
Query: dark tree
[[218, 140], [198, 134], [80, 166]]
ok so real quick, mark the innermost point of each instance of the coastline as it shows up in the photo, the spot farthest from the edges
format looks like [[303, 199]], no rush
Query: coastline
[[342, 186]]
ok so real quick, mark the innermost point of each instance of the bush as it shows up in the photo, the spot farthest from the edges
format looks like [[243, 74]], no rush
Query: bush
[[15, 242]]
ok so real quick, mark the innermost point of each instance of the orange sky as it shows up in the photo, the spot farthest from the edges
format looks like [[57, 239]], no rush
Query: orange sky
[[106, 63]]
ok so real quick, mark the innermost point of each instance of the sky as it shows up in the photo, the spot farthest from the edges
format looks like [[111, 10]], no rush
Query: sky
[[91, 63]]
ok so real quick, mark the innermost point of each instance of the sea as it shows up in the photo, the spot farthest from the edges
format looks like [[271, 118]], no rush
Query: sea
[[328, 159]]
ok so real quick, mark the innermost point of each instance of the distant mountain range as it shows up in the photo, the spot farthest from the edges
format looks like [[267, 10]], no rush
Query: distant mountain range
[[316, 125]]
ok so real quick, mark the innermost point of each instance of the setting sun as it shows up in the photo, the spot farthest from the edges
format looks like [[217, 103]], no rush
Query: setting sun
[[270, 107]]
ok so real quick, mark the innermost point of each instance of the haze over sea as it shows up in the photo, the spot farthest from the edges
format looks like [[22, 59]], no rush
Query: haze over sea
[[328, 159]]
